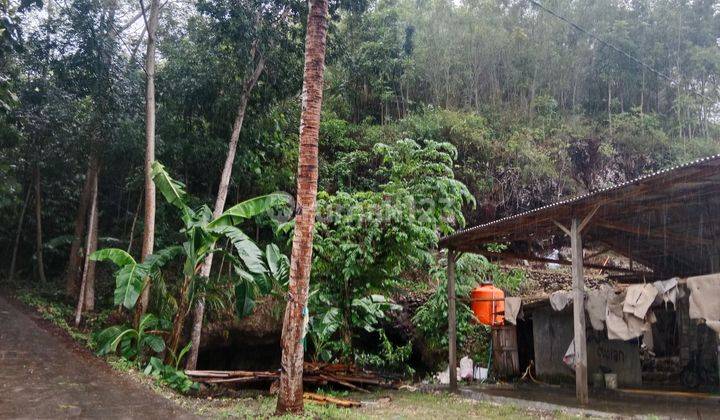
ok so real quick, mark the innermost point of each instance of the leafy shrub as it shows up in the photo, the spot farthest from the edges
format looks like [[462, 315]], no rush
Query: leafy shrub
[[133, 343], [431, 317], [390, 358], [170, 376]]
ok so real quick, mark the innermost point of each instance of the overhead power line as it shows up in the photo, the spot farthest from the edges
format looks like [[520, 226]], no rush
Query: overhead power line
[[613, 47]]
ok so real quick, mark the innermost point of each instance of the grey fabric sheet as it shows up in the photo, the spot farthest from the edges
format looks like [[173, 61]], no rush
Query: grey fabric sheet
[[704, 297], [622, 325], [513, 309], [595, 305], [638, 299], [667, 291], [559, 300]]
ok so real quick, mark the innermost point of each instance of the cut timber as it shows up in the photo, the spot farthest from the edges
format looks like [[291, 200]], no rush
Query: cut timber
[[326, 399], [314, 373], [345, 383]]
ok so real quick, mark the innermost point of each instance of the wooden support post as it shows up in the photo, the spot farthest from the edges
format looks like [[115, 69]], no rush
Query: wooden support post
[[581, 383], [452, 325]]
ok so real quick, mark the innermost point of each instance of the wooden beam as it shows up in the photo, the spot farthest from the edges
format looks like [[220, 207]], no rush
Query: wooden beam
[[562, 227], [637, 230], [528, 257], [581, 383], [452, 325], [587, 218], [597, 253]]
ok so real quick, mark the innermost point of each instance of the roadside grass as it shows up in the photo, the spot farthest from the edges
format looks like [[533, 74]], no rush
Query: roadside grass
[[376, 405], [254, 404]]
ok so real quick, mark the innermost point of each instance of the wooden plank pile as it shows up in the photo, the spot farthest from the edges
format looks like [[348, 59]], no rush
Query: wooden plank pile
[[318, 374]]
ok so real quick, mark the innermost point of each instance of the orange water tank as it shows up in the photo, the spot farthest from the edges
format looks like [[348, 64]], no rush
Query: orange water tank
[[488, 304]]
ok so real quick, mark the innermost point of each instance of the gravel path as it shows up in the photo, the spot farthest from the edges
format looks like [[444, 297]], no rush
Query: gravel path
[[43, 376]]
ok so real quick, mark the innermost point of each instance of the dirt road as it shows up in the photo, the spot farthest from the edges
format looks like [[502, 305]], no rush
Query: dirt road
[[42, 376]]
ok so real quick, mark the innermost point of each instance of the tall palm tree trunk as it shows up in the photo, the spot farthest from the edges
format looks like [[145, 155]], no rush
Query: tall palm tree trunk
[[148, 242], [290, 395]]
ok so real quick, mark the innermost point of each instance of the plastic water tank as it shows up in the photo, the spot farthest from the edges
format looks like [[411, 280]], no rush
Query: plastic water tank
[[488, 304]]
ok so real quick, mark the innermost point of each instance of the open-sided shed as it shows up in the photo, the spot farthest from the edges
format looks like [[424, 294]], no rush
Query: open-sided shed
[[666, 223]]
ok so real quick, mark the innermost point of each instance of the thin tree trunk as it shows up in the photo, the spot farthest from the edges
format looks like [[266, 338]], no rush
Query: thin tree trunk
[[149, 232], [83, 282], [38, 231], [74, 260], [290, 395], [134, 223], [18, 235], [199, 309], [609, 105], [89, 272], [642, 95], [179, 321]]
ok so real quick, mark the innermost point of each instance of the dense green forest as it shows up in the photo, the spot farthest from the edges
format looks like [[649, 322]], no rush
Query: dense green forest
[[437, 114]]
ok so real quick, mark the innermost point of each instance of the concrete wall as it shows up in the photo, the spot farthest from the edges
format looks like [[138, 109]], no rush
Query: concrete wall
[[616, 356], [553, 332]]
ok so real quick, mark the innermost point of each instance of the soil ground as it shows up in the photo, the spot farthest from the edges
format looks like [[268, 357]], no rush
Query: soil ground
[[601, 402], [44, 373], [43, 376]]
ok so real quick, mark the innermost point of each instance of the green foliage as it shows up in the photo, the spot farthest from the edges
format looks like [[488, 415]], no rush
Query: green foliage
[[323, 327], [471, 269], [364, 241], [202, 232], [272, 278], [131, 277], [390, 358], [170, 376], [172, 190], [133, 344]]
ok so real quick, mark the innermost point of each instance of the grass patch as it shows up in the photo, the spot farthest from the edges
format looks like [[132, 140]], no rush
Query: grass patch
[[377, 405]]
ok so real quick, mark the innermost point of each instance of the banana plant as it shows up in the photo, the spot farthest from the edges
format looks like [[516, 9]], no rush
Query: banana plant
[[273, 280], [133, 342], [202, 232], [131, 276]]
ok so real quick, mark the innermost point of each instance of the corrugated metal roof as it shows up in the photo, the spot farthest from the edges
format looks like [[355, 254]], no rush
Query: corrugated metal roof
[[581, 198]]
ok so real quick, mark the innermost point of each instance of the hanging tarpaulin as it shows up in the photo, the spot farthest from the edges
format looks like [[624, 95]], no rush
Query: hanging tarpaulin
[[595, 305], [704, 297], [513, 310], [569, 358], [638, 299], [622, 325], [668, 291], [559, 300]]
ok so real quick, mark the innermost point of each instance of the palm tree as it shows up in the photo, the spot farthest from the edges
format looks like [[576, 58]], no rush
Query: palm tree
[[290, 396]]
